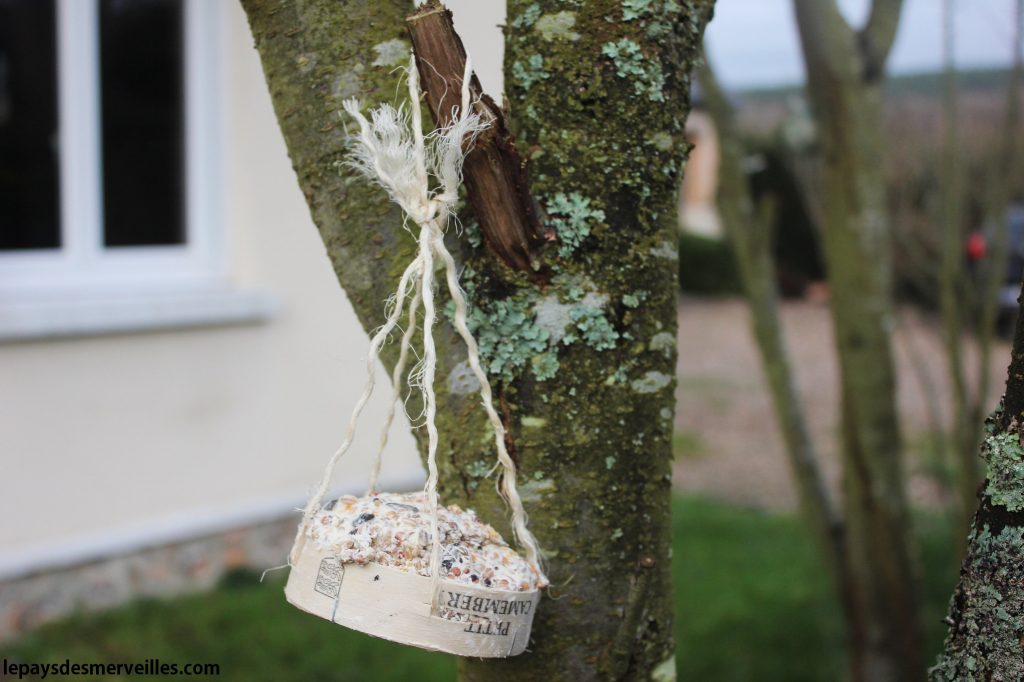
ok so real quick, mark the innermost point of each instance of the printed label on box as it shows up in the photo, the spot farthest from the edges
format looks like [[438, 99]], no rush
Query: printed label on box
[[328, 578], [495, 616]]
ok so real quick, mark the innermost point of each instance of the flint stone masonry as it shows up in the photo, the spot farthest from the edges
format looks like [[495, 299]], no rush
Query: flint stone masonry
[[29, 601]]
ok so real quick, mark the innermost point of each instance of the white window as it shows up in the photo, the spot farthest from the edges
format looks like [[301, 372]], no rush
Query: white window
[[110, 180]]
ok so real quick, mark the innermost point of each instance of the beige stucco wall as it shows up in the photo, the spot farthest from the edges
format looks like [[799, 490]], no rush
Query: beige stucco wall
[[698, 211], [113, 441]]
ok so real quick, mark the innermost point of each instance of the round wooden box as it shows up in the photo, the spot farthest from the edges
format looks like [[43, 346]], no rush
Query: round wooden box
[[386, 602]]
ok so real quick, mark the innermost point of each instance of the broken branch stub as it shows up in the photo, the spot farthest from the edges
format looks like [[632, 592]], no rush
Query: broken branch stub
[[494, 175]]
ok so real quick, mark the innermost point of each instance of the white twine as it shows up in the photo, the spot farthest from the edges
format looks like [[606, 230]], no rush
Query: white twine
[[396, 386], [371, 379], [393, 151]]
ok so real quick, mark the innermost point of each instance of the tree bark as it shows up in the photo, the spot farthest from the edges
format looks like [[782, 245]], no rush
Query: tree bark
[[986, 614], [583, 366], [844, 74]]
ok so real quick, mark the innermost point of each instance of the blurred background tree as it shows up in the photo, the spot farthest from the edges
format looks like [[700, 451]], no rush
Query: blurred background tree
[[850, 188]]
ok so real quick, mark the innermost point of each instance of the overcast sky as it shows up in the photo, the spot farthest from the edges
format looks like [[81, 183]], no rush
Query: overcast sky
[[754, 42]]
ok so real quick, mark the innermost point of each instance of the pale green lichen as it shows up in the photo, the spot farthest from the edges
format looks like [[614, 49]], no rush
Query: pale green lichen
[[574, 219], [533, 72], [634, 299], [545, 365], [651, 382], [391, 53], [1005, 475], [528, 17], [533, 423], [657, 14], [507, 336], [988, 610], [557, 26], [609, 462], [638, 9], [619, 376], [630, 62], [634, 9], [663, 141], [662, 342], [595, 329], [520, 332]]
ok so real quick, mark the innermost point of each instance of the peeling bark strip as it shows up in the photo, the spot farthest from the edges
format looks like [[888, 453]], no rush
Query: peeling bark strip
[[494, 175]]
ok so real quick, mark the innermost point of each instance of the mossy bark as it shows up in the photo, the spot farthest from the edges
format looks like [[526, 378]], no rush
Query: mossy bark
[[584, 366], [844, 78], [986, 613]]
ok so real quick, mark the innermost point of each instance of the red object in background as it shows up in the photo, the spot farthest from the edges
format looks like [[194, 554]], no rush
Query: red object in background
[[977, 247]]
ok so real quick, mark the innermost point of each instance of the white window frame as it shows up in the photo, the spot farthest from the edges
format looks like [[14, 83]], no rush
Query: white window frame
[[84, 287]]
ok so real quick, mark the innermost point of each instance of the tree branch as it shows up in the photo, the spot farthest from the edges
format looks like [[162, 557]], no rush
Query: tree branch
[[749, 230], [877, 36], [824, 33], [314, 56]]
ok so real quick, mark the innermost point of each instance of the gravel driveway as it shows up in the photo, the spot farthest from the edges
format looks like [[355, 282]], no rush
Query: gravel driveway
[[725, 422]]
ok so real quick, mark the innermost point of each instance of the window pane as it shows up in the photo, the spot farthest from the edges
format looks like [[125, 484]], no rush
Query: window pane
[[29, 185], [143, 122]]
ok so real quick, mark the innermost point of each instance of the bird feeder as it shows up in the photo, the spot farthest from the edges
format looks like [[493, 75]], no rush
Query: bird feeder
[[402, 567]]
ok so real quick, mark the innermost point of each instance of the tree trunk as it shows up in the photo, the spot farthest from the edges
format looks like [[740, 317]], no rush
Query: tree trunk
[[750, 232], [584, 365], [954, 303], [986, 614], [844, 71]]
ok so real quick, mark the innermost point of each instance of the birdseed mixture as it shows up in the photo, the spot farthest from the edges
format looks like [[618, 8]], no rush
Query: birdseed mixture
[[395, 530]]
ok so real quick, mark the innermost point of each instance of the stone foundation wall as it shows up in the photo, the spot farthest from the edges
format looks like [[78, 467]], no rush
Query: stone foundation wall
[[189, 566]]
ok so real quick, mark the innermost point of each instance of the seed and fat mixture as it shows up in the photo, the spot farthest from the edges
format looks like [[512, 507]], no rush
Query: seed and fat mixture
[[395, 530]]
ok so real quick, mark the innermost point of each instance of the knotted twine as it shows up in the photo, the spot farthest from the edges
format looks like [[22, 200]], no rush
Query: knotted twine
[[392, 151]]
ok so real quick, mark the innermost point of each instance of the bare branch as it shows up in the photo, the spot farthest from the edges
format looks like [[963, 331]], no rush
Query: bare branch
[[877, 36], [749, 229], [825, 36]]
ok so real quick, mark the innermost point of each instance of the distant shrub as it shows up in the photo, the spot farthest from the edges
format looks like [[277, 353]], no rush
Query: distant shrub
[[707, 266]]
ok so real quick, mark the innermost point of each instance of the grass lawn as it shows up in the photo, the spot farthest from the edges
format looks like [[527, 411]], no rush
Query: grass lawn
[[752, 604]]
